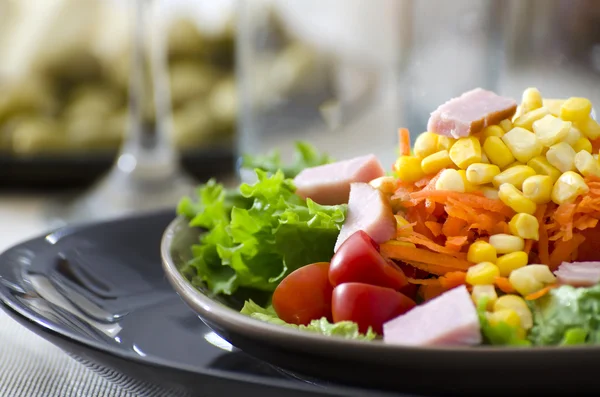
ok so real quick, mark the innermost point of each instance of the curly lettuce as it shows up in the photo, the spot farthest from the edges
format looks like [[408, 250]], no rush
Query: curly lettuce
[[567, 316], [257, 234], [344, 329]]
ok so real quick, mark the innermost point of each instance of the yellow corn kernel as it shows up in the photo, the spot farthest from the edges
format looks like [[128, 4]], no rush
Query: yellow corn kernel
[[436, 162], [561, 156], [576, 109], [408, 168], [590, 128], [512, 197], [506, 125], [586, 164], [517, 304], [509, 262], [484, 291], [582, 144], [450, 180], [445, 143], [525, 226], [465, 152], [553, 105], [531, 100], [531, 278], [573, 136], [492, 130], [538, 188], [482, 273], [425, 144], [481, 251], [505, 243], [526, 120], [523, 144], [515, 175], [385, 184], [550, 130], [497, 151], [404, 228], [484, 158], [469, 187], [568, 187], [507, 316], [514, 164], [480, 174], [541, 166], [490, 192]]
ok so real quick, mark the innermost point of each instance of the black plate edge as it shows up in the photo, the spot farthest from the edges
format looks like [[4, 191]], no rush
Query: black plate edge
[[66, 336]]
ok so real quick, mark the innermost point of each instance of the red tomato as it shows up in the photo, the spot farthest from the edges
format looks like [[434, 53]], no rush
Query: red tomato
[[368, 305], [304, 295], [358, 260]]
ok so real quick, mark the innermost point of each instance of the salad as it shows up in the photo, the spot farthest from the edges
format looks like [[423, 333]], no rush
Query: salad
[[484, 231]]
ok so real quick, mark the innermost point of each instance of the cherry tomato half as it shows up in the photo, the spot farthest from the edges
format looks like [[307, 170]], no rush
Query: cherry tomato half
[[368, 305], [304, 295], [358, 260]]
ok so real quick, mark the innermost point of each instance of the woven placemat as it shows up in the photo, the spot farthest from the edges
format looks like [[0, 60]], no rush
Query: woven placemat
[[30, 366]]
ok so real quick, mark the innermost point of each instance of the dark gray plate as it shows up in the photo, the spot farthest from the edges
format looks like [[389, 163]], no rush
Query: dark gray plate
[[99, 292], [448, 370]]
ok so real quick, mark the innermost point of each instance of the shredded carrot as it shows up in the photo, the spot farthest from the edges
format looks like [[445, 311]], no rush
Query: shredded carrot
[[405, 253], [429, 292], [452, 279], [404, 144], [456, 243], [423, 281], [540, 293], [429, 268], [475, 200], [504, 285], [595, 145], [528, 245], [454, 226], [542, 246], [434, 227], [419, 216], [564, 251], [419, 239]]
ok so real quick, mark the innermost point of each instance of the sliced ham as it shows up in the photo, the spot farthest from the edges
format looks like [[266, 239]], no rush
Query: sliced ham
[[470, 113], [449, 319], [370, 211], [578, 274], [329, 184]]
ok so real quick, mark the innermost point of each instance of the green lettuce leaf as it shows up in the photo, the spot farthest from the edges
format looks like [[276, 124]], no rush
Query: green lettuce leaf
[[567, 315], [305, 156], [501, 334], [344, 329], [257, 234]]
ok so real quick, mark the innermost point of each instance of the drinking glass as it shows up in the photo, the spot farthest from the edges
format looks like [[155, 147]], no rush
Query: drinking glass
[[146, 174]]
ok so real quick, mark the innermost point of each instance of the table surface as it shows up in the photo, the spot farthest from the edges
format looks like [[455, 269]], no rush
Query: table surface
[[29, 365]]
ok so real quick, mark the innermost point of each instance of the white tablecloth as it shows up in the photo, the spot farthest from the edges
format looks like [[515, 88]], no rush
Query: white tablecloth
[[29, 365]]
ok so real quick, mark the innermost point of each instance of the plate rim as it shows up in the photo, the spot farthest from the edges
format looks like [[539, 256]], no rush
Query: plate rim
[[231, 319], [7, 303]]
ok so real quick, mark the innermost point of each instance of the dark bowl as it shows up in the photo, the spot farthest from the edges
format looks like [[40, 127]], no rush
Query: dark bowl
[[482, 370]]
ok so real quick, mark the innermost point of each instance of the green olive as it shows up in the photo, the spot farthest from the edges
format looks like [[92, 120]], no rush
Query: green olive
[[223, 105], [93, 100], [189, 81], [31, 95], [184, 40], [36, 135], [193, 125]]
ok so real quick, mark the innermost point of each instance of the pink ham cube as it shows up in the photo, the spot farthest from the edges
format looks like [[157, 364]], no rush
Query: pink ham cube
[[470, 113], [329, 184], [578, 274], [449, 319], [369, 211]]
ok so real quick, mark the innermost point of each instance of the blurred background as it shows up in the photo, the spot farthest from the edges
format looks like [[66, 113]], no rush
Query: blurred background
[[254, 76]]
